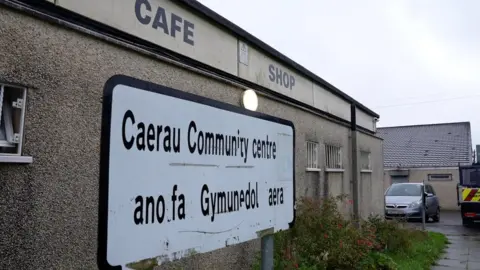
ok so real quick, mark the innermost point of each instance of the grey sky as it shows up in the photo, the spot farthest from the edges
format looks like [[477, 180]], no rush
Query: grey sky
[[382, 53]]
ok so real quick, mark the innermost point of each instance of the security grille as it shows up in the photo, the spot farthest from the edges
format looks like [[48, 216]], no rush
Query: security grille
[[333, 157], [312, 156]]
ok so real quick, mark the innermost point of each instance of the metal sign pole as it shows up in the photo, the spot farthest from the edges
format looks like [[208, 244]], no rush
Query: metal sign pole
[[267, 252], [423, 206]]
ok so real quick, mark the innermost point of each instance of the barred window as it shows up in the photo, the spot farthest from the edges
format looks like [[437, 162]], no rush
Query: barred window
[[333, 157], [312, 156]]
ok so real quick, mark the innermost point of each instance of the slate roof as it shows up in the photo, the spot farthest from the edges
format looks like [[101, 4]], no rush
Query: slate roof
[[432, 145]]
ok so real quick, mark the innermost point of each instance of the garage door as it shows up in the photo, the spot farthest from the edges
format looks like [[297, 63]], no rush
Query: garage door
[[399, 179]]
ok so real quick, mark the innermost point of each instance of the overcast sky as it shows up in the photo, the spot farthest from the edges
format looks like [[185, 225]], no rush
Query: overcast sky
[[412, 62]]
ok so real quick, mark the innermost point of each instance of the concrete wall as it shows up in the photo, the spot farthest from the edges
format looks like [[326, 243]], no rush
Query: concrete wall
[[446, 190], [48, 218], [371, 188], [255, 63], [334, 183]]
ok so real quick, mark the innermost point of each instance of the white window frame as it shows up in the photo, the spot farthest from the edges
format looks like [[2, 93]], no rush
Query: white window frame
[[13, 138], [369, 156], [312, 157], [435, 177], [333, 158]]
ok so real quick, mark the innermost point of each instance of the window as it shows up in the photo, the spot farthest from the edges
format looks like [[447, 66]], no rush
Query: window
[[470, 176], [312, 156], [439, 177], [474, 177], [12, 113], [333, 157], [404, 190], [365, 163], [429, 189]]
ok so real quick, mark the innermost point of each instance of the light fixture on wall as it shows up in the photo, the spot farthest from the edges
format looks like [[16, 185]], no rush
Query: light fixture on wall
[[250, 100]]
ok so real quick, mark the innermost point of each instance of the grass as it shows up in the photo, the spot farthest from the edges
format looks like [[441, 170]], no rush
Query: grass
[[422, 254]]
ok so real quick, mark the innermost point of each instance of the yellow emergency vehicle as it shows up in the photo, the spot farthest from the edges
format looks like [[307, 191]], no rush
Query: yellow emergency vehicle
[[468, 193]]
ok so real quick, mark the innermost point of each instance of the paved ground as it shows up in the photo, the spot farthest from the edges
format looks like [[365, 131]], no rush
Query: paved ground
[[464, 250]]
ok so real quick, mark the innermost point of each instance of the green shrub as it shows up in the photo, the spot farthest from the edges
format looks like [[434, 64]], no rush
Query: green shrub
[[378, 261], [323, 239], [323, 236], [389, 235]]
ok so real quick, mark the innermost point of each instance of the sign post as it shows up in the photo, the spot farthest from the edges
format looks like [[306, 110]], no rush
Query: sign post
[[424, 198], [267, 252], [182, 174]]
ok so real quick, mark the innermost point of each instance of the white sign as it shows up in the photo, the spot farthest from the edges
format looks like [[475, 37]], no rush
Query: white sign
[[268, 73], [165, 23], [183, 174]]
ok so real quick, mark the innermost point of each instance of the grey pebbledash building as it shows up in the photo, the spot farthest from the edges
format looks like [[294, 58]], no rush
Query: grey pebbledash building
[[430, 153], [56, 59]]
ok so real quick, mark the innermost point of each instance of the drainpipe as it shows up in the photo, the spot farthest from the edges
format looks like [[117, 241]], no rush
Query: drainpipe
[[355, 169]]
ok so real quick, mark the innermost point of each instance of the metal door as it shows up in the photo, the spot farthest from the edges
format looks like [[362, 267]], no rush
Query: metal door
[[399, 179], [430, 201]]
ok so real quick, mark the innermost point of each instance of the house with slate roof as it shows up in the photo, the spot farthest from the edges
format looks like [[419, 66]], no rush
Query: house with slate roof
[[429, 153]]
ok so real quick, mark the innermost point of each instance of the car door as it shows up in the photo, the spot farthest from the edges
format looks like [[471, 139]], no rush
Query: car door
[[435, 200], [430, 202]]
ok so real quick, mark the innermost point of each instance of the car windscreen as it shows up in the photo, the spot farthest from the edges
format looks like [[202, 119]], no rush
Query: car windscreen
[[471, 177], [404, 190]]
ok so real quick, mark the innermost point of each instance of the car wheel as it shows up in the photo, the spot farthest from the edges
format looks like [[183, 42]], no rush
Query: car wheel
[[436, 217]]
